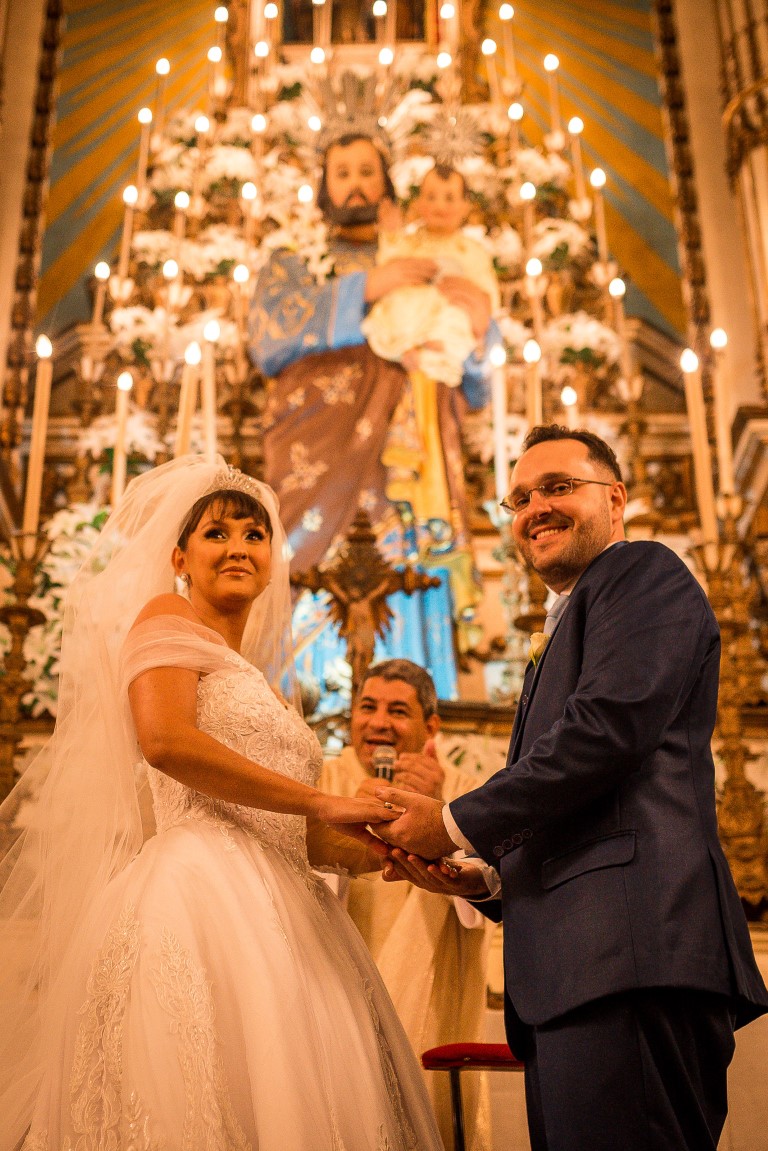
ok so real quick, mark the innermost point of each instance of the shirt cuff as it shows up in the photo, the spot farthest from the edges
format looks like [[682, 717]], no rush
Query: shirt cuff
[[490, 874], [452, 827]]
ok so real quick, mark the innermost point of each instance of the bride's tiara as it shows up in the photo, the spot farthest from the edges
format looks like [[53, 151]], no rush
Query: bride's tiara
[[231, 479]]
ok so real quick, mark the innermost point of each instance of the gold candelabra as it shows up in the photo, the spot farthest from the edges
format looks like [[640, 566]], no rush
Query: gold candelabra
[[741, 806]]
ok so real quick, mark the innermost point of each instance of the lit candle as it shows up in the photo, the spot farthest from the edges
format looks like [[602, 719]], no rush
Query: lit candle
[[270, 15], [702, 460], [575, 128], [259, 127], [145, 119], [527, 195], [386, 57], [498, 358], [317, 22], [241, 275], [617, 289], [221, 16], [181, 203], [248, 194], [447, 21], [535, 286], [551, 65], [597, 180], [380, 15], [102, 273], [215, 56], [727, 480], [515, 113], [211, 333], [119, 460], [188, 397], [569, 398], [130, 196], [34, 487], [488, 49], [533, 398], [162, 68], [506, 12]]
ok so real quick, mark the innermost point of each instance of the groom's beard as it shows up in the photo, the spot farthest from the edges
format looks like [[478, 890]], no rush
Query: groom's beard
[[347, 215]]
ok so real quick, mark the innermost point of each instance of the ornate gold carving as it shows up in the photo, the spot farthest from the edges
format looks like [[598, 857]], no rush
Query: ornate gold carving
[[359, 582], [27, 267]]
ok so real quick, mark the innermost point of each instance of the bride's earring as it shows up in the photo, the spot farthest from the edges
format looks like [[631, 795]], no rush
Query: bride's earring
[[181, 585]]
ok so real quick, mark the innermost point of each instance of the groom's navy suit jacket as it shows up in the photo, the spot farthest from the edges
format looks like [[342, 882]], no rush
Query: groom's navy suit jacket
[[603, 824]]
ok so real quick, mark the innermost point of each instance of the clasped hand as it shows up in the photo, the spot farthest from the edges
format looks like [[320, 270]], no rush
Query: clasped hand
[[418, 844]]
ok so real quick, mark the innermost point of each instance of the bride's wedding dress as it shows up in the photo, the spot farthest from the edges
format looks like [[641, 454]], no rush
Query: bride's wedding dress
[[222, 999]]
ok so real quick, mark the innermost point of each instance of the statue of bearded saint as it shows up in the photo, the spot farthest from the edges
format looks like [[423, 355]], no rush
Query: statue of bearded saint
[[332, 403]]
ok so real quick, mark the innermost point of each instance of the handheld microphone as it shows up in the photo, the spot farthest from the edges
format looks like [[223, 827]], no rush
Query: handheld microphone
[[383, 762]]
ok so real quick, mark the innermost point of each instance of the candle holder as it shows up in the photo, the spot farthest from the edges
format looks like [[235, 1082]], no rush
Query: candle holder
[[27, 550], [741, 807]]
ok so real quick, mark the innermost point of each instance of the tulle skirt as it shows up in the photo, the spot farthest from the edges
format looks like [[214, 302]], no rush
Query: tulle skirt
[[223, 1000]]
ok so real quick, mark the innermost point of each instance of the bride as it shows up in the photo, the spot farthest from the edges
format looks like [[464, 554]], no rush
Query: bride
[[187, 982]]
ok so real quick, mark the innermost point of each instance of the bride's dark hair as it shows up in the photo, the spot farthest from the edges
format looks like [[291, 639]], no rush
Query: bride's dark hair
[[229, 501]]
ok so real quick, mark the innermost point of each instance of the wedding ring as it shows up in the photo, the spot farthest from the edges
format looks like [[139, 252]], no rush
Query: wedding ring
[[389, 806]]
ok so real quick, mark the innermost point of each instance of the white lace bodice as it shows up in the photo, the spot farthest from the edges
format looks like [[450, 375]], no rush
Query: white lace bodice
[[236, 706]]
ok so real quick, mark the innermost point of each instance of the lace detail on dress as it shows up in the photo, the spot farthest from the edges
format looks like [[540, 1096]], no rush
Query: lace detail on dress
[[97, 1069], [136, 1128], [185, 993], [407, 1133], [237, 707]]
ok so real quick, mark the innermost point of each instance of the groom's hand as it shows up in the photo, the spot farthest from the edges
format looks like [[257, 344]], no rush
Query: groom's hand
[[443, 877], [420, 828]]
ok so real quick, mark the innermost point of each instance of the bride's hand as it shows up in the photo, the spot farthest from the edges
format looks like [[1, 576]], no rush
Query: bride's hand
[[350, 816], [337, 809]]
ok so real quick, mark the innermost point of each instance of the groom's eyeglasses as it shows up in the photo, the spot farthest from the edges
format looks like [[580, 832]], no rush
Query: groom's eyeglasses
[[551, 490]]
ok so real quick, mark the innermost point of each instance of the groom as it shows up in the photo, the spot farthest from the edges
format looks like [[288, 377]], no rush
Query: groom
[[628, 961]]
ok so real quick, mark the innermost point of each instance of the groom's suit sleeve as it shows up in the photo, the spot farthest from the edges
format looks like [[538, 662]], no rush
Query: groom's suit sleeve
[[634, 640]]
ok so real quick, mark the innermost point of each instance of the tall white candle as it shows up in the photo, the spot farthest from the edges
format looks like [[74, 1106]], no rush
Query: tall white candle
[[575, 128], [130, 196], [145, 119], [597, 180], [488, 49], [551, 65], [527, 195], [702, 460], [211, 334], [101, 272], [34, 485], [727, 480], [120, 458], [187, 398], [162, 68], [533, 397], [534, 287], [498, 358], [506, 14], [617, 290]]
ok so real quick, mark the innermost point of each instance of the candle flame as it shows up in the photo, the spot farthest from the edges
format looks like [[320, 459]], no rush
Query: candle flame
[[531, 352], [689, 361], [125, 381], [43, 348]]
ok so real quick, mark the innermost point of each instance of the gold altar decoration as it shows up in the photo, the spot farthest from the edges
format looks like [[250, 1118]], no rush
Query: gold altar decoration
[[359, 581]]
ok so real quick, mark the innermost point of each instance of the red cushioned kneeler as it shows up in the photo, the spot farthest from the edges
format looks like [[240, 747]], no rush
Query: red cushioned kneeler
[[457, 1057]]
